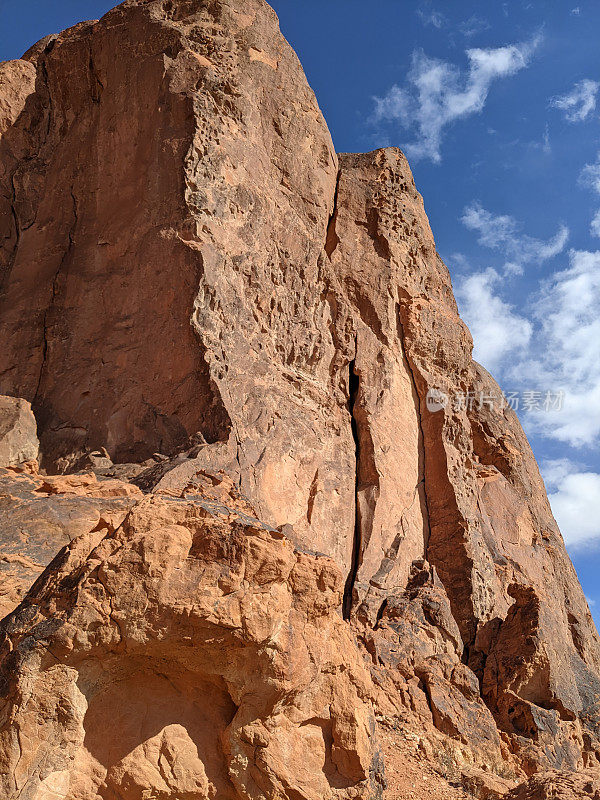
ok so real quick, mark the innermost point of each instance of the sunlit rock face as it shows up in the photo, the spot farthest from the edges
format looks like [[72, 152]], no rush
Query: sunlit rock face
[[287, 500]]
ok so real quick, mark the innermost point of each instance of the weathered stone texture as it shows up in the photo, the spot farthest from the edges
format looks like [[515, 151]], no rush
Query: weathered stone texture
[[193, 284], [190, 653], [18, 432]]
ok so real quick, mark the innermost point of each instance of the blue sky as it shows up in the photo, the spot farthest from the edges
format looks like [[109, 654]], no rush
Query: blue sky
[[498, 109]]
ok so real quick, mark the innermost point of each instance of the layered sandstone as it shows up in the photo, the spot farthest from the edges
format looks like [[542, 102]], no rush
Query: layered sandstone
[[193, 283]]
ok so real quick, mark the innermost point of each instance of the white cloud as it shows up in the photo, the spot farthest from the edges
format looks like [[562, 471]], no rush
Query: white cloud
[[576, 11], [498, 332], [551, 350], [437, 93], [590, 175], [580, 102], [474, 25], [576, 507], [555, 470], [431, 17], [502, 232], [564, 355], [574, 494], [595, 224]]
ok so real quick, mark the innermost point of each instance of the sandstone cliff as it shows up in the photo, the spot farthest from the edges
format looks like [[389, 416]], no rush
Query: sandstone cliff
[[197, 292]]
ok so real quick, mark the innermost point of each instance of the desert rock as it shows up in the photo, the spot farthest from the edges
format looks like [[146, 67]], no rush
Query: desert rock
[[559, 786], [192, 652], [198, 295], [18, 432], [40, 515]]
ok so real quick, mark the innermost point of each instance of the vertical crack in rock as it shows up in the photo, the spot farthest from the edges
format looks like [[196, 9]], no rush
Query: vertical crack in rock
[[332, 239], [423, 686], [366, 481], [46, 82], [37, 140], [24, 158], [380, 613], [54, 292], [417, 403], [13, 208], [353, 387], [7, 268], [96, 85]]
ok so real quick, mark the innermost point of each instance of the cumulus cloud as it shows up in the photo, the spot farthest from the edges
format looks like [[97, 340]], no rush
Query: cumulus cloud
[[502, 232], [437, 93], [498, 331], [553, 348], [595, 224], [565, 354], [555, 470], [575, 503], [580, 102], [574, 494]]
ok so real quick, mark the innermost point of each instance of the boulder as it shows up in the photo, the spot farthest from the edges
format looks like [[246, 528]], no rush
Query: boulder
[[18, 432], [192, 652]]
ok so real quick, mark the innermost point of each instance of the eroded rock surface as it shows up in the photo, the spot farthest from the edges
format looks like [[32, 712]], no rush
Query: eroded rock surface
[[40, 515], [190, 653], [559, 786], [194, 284], [18, 432]]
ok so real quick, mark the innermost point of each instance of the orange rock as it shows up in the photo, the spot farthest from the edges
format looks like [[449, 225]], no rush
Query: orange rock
[[559, 786], [40, 515], [185, 656], [193, 281], [18, 436]]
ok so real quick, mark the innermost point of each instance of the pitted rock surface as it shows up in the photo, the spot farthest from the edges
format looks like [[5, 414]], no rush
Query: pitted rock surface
[[222, 325]]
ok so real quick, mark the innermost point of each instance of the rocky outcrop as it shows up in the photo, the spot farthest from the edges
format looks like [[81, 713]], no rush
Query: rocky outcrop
[[193, 283], [40, 515], [190, 653], [18, 432], [559, 786]]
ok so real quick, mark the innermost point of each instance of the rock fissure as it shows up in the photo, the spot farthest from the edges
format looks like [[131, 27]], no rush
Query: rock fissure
[[332, 240], [43, 68], [357, 541], [14, 215], [96, 85]]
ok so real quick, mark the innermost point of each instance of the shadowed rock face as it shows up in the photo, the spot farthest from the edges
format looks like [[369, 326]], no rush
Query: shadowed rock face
[[187, 268]]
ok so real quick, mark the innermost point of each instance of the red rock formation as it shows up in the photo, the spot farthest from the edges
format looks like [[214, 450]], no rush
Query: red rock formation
[[18, 434], [558, 786], [190, 653], [189, 273], [39, 516]]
